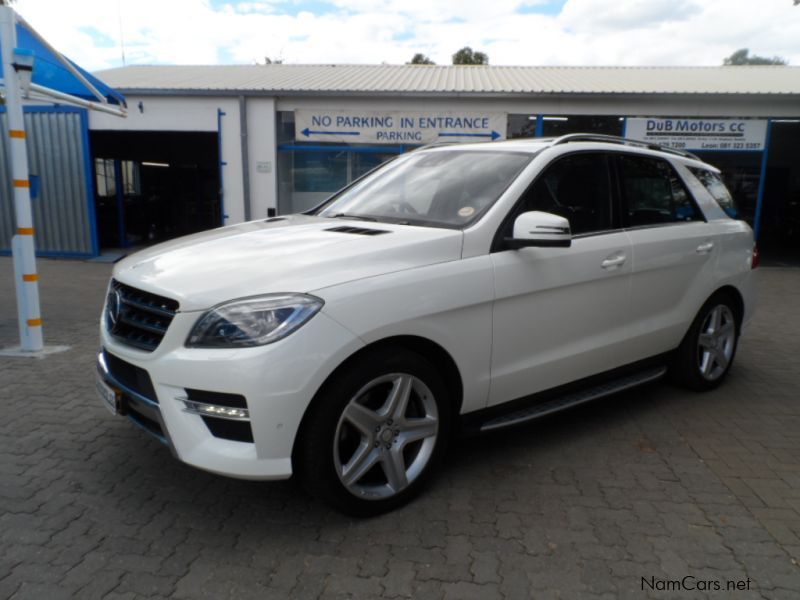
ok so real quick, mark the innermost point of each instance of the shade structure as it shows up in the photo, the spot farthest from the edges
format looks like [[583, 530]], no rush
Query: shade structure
[[32, 68], [56, 72]]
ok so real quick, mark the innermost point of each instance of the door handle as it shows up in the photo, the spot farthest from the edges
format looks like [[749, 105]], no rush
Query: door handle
[[615, 260], [705, 247]]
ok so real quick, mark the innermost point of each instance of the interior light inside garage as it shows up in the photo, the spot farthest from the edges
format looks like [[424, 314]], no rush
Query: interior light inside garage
[[154, 164]]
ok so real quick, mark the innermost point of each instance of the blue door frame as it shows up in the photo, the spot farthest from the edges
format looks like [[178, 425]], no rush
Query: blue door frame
[[223, 217]]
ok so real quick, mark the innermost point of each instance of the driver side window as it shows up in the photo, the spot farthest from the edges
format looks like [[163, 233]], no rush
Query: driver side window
[[576, 187]]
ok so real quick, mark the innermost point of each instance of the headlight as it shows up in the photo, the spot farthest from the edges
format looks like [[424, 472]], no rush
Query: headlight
[[253, 321]]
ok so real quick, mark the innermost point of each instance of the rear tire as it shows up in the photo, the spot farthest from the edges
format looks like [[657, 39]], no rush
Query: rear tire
[[375, 434], [707, 351]]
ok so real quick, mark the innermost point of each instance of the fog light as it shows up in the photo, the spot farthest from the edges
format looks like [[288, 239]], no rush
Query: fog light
[[215, 410]]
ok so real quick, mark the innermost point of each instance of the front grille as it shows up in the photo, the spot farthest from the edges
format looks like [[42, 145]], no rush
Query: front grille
[[138, 318]]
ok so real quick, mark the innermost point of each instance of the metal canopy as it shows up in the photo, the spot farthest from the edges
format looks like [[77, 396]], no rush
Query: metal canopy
[[32, 68], [58, 78]]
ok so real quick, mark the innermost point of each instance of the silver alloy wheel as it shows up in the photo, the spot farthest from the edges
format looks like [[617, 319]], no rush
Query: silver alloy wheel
[[386, 436], [716, 342]]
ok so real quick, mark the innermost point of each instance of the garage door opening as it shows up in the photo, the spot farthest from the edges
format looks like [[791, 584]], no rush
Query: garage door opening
[[779, 238], [154, 186]]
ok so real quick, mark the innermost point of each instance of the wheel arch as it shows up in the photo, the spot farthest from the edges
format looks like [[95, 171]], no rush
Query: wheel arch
[[738, 299], [439, 357], [730, 291]]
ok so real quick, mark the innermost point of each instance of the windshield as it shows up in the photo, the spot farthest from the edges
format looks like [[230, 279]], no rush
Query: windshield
[[445, 188]]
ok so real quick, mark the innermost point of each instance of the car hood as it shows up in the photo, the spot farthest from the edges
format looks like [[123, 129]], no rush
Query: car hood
[[296, 254]]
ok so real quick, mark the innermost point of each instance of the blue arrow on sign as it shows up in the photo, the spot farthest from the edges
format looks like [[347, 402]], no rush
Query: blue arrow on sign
[[307, 132], [494, 135]]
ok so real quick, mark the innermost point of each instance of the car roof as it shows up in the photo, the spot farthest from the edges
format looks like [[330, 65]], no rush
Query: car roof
[[581, 141]]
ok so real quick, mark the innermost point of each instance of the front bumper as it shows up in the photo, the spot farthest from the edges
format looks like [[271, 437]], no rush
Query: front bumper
[[132, 401], [278, 382]]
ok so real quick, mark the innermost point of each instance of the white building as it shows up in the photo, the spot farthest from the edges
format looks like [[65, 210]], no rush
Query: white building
[[206, 145]]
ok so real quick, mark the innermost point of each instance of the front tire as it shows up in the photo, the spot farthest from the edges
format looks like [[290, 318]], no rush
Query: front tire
[[375, 434], [707, 351]]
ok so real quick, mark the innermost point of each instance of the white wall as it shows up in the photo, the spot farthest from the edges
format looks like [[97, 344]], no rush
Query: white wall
[[168, 113], [263, 158], [199, 113], [189, 114]]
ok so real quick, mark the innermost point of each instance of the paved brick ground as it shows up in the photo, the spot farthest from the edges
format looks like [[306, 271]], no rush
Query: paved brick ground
[[654, 483]]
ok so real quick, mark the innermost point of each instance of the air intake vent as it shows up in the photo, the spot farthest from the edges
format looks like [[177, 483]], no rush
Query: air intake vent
[[274, 219], [358, 230]]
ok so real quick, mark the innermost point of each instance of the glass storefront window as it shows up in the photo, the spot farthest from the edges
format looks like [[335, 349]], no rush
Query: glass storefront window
[[524, 126], [105, 181], [364, 162], [306, 177], [521, 126], [285, 127], [554, 126], [319, 171], [308, 173]]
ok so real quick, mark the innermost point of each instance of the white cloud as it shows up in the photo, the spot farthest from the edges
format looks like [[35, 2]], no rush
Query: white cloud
[[605, 15], [586, 32]]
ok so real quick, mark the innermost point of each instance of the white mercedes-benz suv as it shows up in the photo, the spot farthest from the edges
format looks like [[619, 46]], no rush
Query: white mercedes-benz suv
[[456, 288]]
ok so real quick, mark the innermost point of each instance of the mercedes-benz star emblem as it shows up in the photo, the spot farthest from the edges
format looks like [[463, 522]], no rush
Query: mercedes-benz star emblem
[[113, 306]]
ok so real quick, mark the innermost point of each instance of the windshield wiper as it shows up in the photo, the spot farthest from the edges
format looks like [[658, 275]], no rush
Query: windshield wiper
[[357, 217]]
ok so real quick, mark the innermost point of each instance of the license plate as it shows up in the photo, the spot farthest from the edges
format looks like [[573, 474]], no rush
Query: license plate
[[110, 397]]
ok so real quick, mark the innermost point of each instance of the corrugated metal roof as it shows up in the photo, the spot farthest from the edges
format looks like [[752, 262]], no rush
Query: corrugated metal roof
[[451, 80]]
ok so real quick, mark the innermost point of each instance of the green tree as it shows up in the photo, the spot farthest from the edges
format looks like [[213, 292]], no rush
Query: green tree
[[466, 56], [743, 57], [420, 59]]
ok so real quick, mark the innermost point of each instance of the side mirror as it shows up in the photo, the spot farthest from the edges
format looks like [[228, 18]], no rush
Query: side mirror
[[540, 229]]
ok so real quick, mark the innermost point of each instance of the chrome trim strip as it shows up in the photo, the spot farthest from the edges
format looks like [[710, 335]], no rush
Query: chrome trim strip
[[164, 312]]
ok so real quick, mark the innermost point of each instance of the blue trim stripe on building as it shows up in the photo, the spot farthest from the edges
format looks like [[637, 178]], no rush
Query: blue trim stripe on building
[[343, 148], [88, 169], [762, 181], [223, 217]]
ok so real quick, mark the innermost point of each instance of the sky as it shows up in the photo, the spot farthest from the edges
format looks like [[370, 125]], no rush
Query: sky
[[511, 32]]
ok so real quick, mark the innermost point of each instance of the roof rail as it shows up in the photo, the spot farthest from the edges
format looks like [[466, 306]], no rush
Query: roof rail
[[614, 139], [432, 145]]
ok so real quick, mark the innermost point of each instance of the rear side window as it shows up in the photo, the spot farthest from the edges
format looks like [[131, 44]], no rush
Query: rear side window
[[716, 187], [653, 193]]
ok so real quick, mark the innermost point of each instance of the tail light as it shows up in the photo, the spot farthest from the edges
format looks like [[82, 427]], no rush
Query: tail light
[[756, 258]]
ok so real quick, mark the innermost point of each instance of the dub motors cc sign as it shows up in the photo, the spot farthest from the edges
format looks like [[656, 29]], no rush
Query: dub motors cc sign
[[700, 134]]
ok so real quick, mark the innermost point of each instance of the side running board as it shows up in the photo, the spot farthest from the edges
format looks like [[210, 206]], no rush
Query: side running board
[[574, 399]]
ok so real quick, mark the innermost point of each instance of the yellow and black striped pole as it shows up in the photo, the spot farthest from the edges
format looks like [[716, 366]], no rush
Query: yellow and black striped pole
[[22, 245]]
